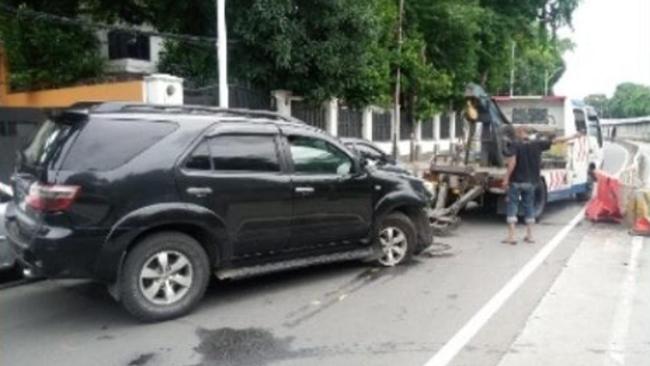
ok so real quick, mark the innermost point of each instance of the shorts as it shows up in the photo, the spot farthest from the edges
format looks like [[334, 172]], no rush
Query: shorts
[[520, 195]]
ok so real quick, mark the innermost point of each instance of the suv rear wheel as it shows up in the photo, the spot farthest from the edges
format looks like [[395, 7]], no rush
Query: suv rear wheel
[[164, 276], [396, 239]]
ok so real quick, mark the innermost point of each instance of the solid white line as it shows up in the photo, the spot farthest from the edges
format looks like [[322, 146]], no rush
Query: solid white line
[[621, 323], [447, 353]]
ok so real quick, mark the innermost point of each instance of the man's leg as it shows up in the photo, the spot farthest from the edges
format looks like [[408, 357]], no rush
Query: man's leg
[[528, 197], [512, 204]]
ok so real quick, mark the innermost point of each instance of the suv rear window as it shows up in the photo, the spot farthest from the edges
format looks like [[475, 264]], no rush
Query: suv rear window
[[47, 143], [106, 144]]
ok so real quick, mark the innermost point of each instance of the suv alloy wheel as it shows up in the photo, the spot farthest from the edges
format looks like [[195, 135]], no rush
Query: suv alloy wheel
[[396, 239], [164, 276]]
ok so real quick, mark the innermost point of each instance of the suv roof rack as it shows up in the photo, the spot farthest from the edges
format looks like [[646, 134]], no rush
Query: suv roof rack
[[117, 107]]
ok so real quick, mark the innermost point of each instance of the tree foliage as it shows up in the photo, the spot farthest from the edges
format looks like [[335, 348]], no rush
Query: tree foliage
[[44, 55], [629, 100], [337, 48]]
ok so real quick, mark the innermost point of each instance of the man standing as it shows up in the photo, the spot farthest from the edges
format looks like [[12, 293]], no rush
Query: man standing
[[522, 176]]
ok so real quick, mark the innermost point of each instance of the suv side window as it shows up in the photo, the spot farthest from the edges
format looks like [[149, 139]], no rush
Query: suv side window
[[249, 153], [105, 144], [316, 156], [200, 158]]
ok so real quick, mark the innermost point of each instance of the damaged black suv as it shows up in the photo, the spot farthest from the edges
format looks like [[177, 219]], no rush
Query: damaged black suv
[[152, 200]]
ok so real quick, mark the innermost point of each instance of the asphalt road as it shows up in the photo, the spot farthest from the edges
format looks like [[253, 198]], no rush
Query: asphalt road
[[344, 314]]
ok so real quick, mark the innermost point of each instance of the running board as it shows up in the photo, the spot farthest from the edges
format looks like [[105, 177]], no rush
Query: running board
[[257, 270]]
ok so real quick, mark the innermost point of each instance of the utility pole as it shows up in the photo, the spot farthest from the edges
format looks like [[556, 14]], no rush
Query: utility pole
[[512, 69], [222, 53], [398, 75]]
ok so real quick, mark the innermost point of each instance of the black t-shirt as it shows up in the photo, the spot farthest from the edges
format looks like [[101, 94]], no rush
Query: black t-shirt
[[529, 158]]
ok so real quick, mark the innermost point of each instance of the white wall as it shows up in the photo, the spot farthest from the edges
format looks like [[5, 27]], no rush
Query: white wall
[[284, 98], [163, 89], [426, 146]]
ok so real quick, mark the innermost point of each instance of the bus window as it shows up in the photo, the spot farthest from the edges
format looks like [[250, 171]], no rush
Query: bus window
[[533, 116]]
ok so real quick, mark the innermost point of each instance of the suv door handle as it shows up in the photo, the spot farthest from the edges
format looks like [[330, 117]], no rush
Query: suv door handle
[[199, 191], [304, 190]]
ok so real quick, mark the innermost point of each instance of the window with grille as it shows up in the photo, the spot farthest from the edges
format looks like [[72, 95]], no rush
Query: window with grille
[[128, 45]]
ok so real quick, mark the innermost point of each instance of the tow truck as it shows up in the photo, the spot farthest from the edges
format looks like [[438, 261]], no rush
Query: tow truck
[[472, 172]]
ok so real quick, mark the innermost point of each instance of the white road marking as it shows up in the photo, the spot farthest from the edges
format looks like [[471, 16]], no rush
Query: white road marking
[[447, 353], [621, 323]]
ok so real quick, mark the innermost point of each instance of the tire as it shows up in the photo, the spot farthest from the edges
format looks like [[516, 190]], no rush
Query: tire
[[143, 271], [393, 250], [591, 178]]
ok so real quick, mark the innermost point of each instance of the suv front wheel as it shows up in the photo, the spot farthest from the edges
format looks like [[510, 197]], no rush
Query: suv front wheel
[[164, 276], [396, 239]]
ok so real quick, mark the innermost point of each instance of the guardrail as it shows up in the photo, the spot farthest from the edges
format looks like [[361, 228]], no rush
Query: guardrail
[[627, 128]]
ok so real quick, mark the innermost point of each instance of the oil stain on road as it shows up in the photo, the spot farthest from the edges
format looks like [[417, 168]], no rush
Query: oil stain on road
[[242, 347], [141, 360], [259, 347]]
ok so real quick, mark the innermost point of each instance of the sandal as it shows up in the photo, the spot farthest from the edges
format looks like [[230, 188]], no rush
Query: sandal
[[529, 240], [511, 242]]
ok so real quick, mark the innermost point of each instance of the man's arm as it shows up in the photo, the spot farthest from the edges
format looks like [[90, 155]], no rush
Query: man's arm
[[560, 140]]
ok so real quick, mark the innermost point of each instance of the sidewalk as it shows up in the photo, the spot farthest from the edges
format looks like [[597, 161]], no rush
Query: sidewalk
[[598, 310]]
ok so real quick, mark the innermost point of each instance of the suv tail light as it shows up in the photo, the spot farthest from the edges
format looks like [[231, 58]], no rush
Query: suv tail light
[[49, 198]]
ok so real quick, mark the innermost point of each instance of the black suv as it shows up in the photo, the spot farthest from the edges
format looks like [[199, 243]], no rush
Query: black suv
[[153, 199]]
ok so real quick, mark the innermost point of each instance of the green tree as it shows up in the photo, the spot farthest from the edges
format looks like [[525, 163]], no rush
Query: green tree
[[630, 100], [600, 103], [42, 54], [316, 48]]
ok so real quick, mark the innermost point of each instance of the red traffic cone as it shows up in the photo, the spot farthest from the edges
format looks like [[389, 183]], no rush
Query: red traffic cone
[[641, 226]]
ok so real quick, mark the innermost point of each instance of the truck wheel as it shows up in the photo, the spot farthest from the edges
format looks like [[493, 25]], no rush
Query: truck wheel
[[164, 276], [396, 239], [591, 178], [541, 196]]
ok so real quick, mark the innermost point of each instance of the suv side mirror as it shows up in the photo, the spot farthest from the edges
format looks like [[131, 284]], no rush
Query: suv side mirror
[[363, 162], [360, 165]]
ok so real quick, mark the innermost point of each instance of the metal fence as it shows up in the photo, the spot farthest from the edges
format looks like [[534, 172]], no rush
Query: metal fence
[[381, 126], [460, 125], [445, 126], [239, 97], [427, 129], [17, 125], [349, 124], [311, 114], [243, 97], [405, 127]]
